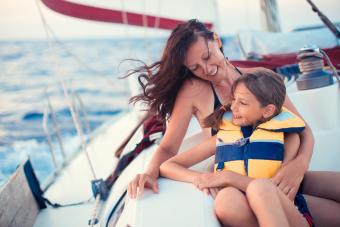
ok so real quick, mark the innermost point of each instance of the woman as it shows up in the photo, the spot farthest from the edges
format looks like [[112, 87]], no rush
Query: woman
[[192, 78]]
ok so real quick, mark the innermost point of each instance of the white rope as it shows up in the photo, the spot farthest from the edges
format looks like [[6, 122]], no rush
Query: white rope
[[78, 60], [145, 26], [94, 217], [68, 99], [126, 27]]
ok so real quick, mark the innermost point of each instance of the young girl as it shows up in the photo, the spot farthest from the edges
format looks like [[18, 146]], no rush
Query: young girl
[[249, 150]]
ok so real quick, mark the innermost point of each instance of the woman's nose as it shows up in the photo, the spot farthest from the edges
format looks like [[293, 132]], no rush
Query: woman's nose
[[209, 69]]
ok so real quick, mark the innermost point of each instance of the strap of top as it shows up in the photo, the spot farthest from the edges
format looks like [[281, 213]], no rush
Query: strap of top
[[239, 71], [217, 102]]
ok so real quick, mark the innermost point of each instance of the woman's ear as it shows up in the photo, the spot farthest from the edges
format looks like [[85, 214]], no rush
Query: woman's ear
[[269, 111], [218, 40]]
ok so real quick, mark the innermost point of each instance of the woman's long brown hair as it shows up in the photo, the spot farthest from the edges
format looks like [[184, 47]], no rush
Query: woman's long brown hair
[[162, 80]]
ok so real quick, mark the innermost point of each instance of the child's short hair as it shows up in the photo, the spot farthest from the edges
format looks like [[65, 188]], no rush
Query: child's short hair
[[267, 86]]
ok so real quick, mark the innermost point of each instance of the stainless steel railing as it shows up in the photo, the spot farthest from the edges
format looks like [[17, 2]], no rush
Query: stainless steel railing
[[49, 113]]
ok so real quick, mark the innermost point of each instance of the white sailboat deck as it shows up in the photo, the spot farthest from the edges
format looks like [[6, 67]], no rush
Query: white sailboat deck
[[74, 183]]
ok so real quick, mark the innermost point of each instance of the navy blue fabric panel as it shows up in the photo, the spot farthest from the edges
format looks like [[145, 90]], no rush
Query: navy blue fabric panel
[[228, 153], [213, 132], [247, 131], [265, 150], [296, 129]]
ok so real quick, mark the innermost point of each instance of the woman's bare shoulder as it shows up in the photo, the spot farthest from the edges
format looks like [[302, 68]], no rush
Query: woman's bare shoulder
[[194, 87], [201, 97]]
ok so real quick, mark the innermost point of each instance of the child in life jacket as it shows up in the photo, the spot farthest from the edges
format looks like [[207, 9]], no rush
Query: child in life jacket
[[249, 150]]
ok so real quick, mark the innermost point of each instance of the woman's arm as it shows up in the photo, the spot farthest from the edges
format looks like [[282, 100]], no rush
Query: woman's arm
[[176, 128], [176, 168], [306, 138], [289, 177], [173, 137]]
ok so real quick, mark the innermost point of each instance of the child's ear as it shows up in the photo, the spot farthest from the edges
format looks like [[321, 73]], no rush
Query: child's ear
[[269, 111]]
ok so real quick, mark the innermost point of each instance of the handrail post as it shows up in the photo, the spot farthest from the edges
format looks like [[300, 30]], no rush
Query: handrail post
[[57, 129], [49, 140]]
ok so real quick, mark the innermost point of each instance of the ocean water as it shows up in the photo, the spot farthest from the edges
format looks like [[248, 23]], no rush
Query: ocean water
[[31, 72]]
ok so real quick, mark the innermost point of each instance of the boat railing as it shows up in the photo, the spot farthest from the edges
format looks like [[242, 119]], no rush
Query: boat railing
[[49, 109], [50, 115], [76, 97]]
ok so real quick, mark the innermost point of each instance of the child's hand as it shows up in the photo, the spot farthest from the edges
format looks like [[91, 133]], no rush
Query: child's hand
[[210, 180], [211, 191]]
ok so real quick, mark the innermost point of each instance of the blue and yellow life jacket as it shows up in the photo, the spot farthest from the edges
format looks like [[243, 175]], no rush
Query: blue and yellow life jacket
[[261, 154]]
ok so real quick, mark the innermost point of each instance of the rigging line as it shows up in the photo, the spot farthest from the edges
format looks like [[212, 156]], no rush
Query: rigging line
[[146, 39], [81, 63], [57, 205], [78, 60], [125, 18], [66, 94], [216, 26], [157, 18], [126, 27]]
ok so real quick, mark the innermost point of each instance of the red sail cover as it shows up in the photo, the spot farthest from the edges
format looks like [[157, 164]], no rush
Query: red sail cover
[[112, 16], [273, 61]]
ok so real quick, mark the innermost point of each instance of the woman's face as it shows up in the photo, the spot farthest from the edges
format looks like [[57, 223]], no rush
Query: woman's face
[[205, 59]]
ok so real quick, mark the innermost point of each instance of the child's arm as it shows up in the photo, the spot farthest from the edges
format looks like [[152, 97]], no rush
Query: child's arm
[[222, 179], [176, 168]]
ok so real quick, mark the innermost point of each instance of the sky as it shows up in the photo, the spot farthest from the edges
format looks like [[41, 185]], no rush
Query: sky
[[20, 18]]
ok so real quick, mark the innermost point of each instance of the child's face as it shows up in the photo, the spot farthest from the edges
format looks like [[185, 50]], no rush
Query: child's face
[[246, 109]]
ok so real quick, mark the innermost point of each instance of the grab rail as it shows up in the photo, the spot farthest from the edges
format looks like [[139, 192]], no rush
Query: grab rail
[[49, 110]]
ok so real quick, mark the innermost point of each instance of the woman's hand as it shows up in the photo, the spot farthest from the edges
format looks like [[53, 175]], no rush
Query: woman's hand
[[289, 178], [141, 181]]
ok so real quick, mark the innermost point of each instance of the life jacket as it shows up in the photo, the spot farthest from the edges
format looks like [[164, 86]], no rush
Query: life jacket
[[261, 154]]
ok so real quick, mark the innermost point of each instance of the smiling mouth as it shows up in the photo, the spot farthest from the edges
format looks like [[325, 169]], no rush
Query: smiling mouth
[[214, 72], [237, 117]]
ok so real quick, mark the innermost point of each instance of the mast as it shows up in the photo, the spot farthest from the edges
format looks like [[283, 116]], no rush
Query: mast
[[269, 16]]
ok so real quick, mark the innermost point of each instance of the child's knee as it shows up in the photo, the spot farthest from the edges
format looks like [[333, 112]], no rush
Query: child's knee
[[230, 206], [259, 189]]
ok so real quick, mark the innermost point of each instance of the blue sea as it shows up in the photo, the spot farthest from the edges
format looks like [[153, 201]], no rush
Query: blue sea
[[31, 72]]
